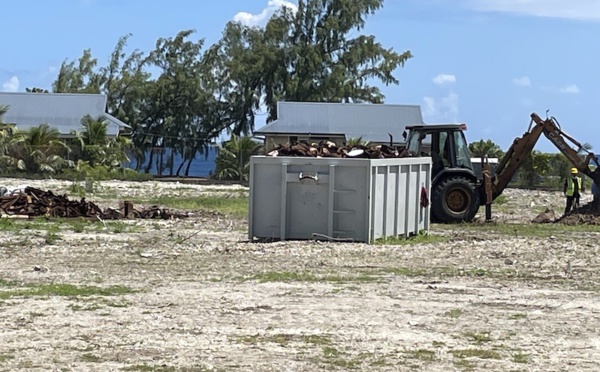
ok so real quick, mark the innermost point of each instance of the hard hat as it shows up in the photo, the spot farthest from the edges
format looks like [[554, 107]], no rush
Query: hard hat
[[574, 170]]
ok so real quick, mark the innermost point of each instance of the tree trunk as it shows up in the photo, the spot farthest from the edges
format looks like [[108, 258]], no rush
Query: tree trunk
[[149, 165], [180, 167], [171, 161], [187, 169]]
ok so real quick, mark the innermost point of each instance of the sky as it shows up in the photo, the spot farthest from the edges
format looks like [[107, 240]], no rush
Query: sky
[[486, 63]]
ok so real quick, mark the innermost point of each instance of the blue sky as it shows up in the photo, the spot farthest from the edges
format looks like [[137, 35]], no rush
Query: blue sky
[[488, 63]]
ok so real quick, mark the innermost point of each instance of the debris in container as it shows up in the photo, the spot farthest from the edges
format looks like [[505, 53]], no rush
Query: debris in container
[[32, 202], [328, 149]]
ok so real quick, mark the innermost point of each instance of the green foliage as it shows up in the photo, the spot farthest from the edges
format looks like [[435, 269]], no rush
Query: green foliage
[[543, 170], [315, 54], [84, 170], [193, 95], [233, 161], [37, 150], [485, 148], [65, 290], [351, 142], [92, 144]]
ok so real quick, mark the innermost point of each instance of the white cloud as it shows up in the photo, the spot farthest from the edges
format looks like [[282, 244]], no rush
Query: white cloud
[[522, 81], [571, 89], [567, 89], [261, 18], [444, 79], [441, 110], [568, 9], [11, 85]]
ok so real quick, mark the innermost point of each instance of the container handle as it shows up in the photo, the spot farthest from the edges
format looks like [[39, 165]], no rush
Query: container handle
[[315, 178]]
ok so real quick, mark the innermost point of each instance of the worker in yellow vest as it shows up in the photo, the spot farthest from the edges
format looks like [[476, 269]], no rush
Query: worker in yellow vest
[[572, 190]]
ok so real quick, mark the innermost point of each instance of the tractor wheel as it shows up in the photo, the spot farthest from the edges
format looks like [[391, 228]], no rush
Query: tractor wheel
[[454, 199]]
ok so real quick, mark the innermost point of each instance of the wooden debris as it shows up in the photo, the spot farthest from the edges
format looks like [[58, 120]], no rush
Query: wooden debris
[[328, 149], [33, 202]]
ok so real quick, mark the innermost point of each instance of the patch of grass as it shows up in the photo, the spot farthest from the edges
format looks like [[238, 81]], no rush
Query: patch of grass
[[290, 276], [404, 271], [78, 226], [500, 200], [463, 364], [89, 307], [454, 313], [8, 283], [6, 357], [421, 354], [236, 206], [523, 230], [476, 353], [64, 290], [90, 358], [478, 338], [284, 339], [335, 358], [52, 237], [163, 368], [517, 316], [148, 368], [520, 358], [118, 227]]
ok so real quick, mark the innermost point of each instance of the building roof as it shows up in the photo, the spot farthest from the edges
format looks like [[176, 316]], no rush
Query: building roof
[[62, 111], [372, 122]]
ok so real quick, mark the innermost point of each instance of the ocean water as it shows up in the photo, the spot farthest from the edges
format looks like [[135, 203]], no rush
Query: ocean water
[[202, 166]]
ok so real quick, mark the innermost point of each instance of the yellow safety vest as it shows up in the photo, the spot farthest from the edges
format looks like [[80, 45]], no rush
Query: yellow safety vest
[[571, 186]]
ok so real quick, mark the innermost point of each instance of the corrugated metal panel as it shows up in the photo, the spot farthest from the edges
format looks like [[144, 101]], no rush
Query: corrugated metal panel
[[62, 111], [372, 122]]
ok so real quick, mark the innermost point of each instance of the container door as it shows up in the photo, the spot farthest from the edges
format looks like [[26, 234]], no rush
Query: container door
[[307, 206]]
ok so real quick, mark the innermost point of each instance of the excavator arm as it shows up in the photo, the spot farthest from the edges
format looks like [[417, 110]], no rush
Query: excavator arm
[[521, 147]]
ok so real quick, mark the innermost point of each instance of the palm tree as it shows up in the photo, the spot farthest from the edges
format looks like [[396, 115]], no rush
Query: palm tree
[[353, 142], [95, 147], [40, 150], [233, 161], [485, 148]]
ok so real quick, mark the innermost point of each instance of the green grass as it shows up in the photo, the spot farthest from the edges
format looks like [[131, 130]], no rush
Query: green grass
[[231, 206], [517, 316], [476, 353], [454, 313], [500, 200], [6, 358], [284, 339], [148, 368], [421, 354], [478, 338], [289, 276], [520, 358], [63, 290], [522, 230], [91, 358]]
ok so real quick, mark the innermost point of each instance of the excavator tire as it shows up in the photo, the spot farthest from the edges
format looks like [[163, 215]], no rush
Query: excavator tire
[[454, 199]]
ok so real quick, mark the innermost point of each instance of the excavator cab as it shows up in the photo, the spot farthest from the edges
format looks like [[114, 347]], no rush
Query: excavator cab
[[455, 191]]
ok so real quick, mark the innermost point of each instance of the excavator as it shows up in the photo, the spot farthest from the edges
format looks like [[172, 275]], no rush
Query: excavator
[[457, 192]]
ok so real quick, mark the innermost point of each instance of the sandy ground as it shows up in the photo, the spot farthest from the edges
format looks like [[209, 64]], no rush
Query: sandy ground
[[194, 295]]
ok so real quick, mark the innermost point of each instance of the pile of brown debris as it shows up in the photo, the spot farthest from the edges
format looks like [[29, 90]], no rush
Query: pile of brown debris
[[32, 202], [328, 149], [587, 214]]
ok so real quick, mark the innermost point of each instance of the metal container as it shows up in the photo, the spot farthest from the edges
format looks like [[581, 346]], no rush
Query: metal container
[[332, 198]]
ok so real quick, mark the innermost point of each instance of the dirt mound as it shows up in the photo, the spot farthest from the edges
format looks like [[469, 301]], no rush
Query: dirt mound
[[587, 214]]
